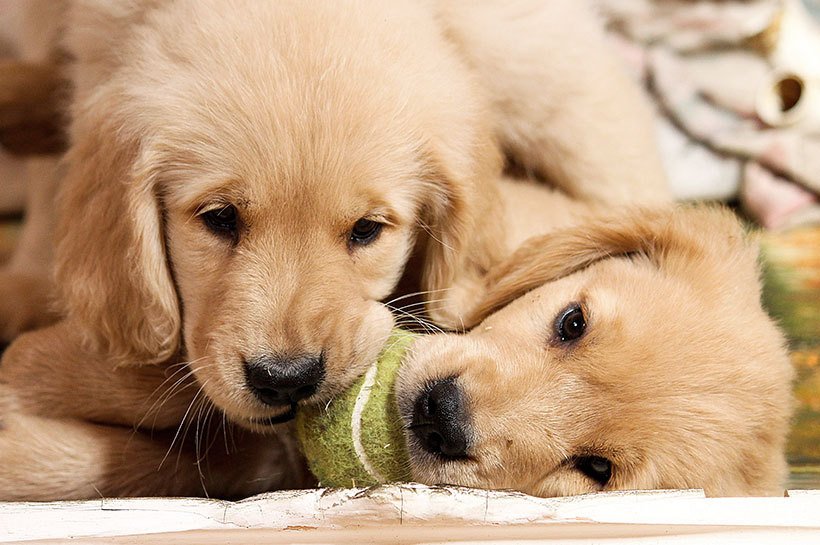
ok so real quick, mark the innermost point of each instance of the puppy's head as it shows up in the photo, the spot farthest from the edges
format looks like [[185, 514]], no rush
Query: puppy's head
[[246, 185], [629, 353]]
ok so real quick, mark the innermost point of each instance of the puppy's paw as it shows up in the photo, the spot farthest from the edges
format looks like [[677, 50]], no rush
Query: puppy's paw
[[25, 303]]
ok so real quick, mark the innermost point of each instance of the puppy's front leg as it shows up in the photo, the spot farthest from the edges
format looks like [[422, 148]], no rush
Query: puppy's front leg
[[45, 459], [49, 459], [564, 107], [56, 373]]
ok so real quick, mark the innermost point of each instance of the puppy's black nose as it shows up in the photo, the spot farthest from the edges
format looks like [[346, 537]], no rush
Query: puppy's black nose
[[280, 381], [440, 420]]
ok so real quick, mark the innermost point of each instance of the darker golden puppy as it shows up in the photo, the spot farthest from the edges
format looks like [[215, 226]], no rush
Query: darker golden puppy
[[249, 181], [631, 352]]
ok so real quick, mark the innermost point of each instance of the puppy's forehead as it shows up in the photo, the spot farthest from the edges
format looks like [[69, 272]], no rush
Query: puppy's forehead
[[622, 300]]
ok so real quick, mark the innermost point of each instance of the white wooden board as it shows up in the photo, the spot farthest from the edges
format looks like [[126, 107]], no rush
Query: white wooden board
[[414, 513]]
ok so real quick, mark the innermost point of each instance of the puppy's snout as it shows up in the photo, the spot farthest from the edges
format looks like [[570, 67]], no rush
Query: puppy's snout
[[440, 420], [280, 381]]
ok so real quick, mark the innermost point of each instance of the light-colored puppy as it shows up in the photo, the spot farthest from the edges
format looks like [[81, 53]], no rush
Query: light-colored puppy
[[630, 352], [247, 180]]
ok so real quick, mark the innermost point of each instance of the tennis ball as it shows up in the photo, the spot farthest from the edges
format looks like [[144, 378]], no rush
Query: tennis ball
[[358, 438]]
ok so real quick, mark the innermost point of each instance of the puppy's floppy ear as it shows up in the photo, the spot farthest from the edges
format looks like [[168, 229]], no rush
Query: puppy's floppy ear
[[463, 221], [705, 245], [111, 262]]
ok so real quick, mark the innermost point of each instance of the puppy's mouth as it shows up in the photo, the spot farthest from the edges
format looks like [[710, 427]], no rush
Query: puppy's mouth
[[286, 416], [264, 424]]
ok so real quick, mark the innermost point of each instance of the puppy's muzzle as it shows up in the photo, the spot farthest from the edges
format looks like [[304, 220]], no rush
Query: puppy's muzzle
[[280, 381], [440, 420]]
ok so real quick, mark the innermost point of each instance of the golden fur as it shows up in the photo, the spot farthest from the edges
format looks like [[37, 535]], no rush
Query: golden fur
[[454, 81], [681, 379], [182, 107], [305, 118]]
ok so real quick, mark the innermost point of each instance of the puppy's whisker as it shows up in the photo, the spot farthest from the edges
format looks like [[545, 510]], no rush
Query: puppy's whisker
[[403, 312], [208, 442], [194, 421], [407, 313], [423, 323], [214, 413], [179, 428], [160, 402], [157, 411], [175, 389], [183, 366], [167, 395], [430, 233], [410, 324], [422, 304], [224, 426], [207, 430], [414, 294], [199, 431]]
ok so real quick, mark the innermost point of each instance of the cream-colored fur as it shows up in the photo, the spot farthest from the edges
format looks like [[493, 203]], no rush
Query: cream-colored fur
[[681, 379], [181, 107], [305, 118]]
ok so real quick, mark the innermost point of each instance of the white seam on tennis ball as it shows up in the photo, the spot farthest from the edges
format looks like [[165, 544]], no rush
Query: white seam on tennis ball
[[356, 422]]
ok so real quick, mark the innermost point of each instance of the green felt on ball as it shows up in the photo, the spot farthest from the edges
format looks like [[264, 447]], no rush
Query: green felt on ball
[[358, 438]]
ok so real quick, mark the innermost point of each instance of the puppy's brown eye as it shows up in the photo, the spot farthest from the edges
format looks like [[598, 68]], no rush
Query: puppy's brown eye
[[364, 232], [222, 221], [571, 323], [595, 467]]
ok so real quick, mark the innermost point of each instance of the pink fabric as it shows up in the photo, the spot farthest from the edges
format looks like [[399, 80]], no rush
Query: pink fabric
[[697, 67]]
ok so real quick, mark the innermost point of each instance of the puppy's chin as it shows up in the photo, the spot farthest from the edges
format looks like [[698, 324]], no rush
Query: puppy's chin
[[556, 480], [267, 424], [426, 470]]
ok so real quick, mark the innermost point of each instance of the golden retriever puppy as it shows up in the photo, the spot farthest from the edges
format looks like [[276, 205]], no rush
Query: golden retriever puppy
[[247, 181], [629, 352]]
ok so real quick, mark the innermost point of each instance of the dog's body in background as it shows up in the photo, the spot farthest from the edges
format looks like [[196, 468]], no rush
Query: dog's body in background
[[31, 92]]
